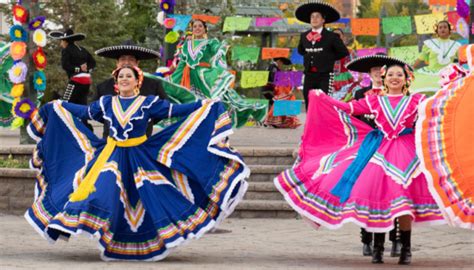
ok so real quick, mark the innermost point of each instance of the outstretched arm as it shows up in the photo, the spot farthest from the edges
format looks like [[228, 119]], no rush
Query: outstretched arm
[[91, 112], [355, 107]]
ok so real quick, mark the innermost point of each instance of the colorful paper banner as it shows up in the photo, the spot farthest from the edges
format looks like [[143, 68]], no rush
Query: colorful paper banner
[[425, 23], [269, 53], [409, 54], [287, 107], [245, 53], [206, 18], [236, 24], [294, 20], [370, 51], [250, 79], [261, 22], [342, 23], [288, 78], [365, 26], [451, 3], [182, 21], [296, 58], [397, 25]]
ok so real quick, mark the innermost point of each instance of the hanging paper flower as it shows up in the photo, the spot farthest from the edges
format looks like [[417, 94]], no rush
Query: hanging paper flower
[[39, 37], [167, 6], [169, 23], [17, 50], [160, 18], [39, 79], [17, 122], [462, 8], [36, 23], [172, 37], [39, 58], [20, 13], [17, 72], [24, 108], [17, 90], [18, 33]]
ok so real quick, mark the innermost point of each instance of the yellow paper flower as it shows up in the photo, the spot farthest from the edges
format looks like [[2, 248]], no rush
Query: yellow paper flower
[[17, 90], [17, 122]]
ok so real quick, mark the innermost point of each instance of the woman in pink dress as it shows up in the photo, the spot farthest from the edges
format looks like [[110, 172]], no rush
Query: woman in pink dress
[[353, 173]]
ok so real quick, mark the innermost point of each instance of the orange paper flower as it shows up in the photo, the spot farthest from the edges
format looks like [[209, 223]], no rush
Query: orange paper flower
[[17, 50]]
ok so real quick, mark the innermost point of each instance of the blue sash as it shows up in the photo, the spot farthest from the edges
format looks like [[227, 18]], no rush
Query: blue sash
[[368, 148]]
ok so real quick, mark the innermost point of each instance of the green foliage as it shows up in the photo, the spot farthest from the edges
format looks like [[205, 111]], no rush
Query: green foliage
[[10, 162]]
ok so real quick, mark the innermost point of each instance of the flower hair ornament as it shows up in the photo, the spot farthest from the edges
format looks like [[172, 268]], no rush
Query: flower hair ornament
[[411, 75]]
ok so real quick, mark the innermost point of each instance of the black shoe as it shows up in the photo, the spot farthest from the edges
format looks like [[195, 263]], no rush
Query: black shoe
[[405, 252], [405, 256], [367, 250], [396, 246], [377, 254]]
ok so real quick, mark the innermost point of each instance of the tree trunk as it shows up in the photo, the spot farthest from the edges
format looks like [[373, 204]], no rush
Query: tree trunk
[[33, 11]]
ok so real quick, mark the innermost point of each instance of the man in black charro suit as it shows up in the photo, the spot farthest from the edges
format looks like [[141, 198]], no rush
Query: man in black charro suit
[[320, 48]]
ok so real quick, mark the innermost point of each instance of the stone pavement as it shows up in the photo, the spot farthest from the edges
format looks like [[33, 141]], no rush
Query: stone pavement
[[245, 244]]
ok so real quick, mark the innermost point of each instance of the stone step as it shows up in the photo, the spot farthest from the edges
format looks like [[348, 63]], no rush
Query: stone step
[[265, 173], [252, 155], [262, 191], [262, 199], [264, 209]]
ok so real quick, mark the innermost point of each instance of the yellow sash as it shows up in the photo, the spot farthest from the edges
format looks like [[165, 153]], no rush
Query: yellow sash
[[86, 187]]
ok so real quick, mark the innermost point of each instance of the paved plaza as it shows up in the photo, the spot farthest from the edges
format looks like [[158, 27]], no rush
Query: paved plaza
[[242, 244]]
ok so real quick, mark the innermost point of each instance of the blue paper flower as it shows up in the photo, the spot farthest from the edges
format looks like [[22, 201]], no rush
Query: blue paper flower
[[39, 79], [18, 33]]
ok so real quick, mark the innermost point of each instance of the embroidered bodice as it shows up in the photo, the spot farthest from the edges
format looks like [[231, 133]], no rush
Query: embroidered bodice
[[392, 113], [128, 117]]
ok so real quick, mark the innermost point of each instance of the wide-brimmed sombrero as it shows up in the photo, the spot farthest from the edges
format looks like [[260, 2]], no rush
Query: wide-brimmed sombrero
[[128, 48], [329, 13], [285, 60], [365, 63], [69, 35]]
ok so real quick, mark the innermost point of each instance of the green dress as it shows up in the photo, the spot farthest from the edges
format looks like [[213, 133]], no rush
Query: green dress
[[437, 53], [209, 78], [6, 62]]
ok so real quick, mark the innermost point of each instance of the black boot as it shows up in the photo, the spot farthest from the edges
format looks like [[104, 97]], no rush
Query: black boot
[[395, 239], [366, 238], [377, 255], [405, 254]]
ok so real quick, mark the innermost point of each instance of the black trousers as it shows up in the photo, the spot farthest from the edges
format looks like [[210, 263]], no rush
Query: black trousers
[[76, 93], [315, 80]]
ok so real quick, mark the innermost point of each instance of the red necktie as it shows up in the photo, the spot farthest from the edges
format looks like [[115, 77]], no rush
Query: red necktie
[[313, 36]]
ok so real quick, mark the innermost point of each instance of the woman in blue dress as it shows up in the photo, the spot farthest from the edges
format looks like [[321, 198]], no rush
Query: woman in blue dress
[[139, 196]]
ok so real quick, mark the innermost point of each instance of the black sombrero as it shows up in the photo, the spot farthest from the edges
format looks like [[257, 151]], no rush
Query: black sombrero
[[128, 48], [365, 63], [285, 60], [329, 13], [67, 36]]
